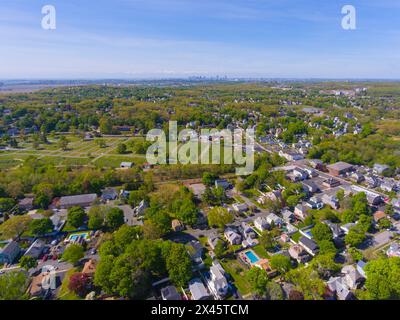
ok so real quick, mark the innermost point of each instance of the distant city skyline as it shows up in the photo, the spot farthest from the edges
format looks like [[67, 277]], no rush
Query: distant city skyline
[[148, 39]]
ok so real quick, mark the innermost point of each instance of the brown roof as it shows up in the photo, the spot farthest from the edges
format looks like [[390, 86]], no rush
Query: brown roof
[[35, 287], [89, 267], [379, 215], [176, 223], [340, 166]]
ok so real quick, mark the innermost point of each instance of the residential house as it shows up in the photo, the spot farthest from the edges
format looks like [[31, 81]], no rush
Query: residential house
[[361, 268], [311, 172], [338, 286], [291, 155], [389, 186], [301, 212], [298, 253], [36, 288], [300, 174], [310, 187], [378, 216], [90, 267], [380, 169], [198, 189], [198, 290], [331, 201], [35, 249], [109, 194], [394, 250], [288, 216], [126, 165], [25, 204], [195, 250], [9, 251], [240, 207], [331, 183], [309, 245], [315, 203], [170, 293], [177, 226], [217, 283], [317, 164], [232, 237], [272, 218], [213, 241], [352, 277], [222, 183], [396, 204], [357, 177], [139, 210], [261, 224], [337, 232], [372, 181], [248, 231], [374, 198], [273, 196], [82, 200], [346, 227]]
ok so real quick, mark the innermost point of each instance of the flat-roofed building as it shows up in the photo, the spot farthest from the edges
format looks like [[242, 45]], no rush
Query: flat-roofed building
[[339, 168], [81, 200]]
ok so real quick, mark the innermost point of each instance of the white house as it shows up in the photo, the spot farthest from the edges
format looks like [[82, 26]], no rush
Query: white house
[[240, 207], [273, 218], [232, 237], [261, 223], [217, 283]]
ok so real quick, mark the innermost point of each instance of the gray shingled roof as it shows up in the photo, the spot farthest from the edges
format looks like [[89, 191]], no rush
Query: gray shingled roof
[[78, 199]]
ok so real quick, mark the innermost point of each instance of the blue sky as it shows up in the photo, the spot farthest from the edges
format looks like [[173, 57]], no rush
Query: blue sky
[[172, 38]]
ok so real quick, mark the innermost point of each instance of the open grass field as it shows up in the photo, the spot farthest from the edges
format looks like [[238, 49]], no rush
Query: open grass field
[[79, 152]]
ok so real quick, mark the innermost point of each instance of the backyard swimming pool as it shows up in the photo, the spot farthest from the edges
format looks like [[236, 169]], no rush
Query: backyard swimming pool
[[252, 256], [75, 236]]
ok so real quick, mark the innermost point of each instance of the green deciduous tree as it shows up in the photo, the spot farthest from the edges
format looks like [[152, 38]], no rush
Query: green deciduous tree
[[280, 263], [383, 278], [114, 218], [219, 217], [27, 262], [355, 237], [308, 282], [13, 286], [179, 265], [96, 216], [321, 231], [121, 148], [15, 227], [76, 217], [73, 253], [39, 227], [258, 280]]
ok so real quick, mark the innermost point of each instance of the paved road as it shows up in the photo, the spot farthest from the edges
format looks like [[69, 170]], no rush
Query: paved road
[[382, 238]]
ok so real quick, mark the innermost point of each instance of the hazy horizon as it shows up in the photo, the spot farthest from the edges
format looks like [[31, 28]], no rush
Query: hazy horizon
[[156, 39]]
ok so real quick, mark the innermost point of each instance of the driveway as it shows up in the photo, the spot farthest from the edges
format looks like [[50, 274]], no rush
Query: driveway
[[382, 238]]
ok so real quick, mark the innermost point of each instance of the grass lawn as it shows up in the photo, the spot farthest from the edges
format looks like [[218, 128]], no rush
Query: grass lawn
[[296, 236], [114, 161], [203, 241], [237, 272], [260, 251], [68, 228]]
